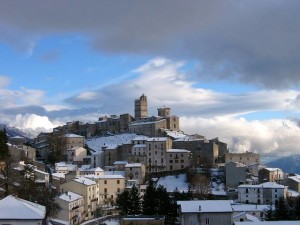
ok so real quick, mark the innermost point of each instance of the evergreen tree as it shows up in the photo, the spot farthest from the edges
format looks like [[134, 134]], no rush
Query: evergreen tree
[[7, 183], [297, 209], [122, 202], [134, 202], [148, 203], [270, 213], [162, 201], [282, 211], [4, 151]]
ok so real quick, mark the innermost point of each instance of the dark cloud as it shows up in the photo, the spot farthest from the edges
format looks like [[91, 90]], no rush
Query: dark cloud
[[253, 41], [30, 109]]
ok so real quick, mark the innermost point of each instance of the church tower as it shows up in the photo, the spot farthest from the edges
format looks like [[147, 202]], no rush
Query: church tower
[[141, 108]]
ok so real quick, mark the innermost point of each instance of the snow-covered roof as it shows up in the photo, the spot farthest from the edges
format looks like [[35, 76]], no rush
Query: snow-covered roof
[[85, 181], [293, 193], [120, 162], [295, 178], [98, 169], [140, 138], [177, 151], [96, 144], [73, 136], [58, 175], [272, 169], [111, 147], [205, 206], [115, 172], [157, 139], [248, 217], [111, 176], [70, 196], [20, 209], [248, 207], [263, 185], [85, 167], [133, 165], [175, 134]]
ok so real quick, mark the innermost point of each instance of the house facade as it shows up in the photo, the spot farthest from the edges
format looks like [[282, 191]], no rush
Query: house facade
[[265, 193], [205, 212], [72, 207]]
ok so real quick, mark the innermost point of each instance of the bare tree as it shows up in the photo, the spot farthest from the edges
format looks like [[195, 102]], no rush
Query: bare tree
[[200, 185]]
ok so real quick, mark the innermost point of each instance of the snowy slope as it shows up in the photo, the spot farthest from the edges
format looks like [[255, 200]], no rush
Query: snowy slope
[[172, 182]]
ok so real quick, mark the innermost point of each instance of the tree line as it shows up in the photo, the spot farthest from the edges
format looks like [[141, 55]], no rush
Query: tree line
[[284, 210], [156, 201]]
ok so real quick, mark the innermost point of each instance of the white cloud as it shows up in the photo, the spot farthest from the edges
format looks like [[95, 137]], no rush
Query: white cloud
[[268, 137], [32, 121], [4, 81]]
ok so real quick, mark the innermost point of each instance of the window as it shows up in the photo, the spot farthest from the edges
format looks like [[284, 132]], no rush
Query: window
[[171, 161], [105, 181], [182, 161], [247, 190], [105, 190], [118, 181], [207, 221]]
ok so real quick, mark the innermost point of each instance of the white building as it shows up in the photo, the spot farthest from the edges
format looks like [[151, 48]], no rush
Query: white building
[[265, 193], [205, 212]]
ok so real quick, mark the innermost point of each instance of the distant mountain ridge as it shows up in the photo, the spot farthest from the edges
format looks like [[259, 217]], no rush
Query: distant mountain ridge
[[13, 131], [289, 164]]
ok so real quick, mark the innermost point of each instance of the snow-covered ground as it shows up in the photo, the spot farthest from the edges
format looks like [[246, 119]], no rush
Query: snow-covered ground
[[172, 182]]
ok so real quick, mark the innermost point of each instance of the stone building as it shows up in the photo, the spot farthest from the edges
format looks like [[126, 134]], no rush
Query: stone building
[[293, 182], [204, 151], [156, 153], [246, 158], [141, 108], [177, 159], [270, 175]]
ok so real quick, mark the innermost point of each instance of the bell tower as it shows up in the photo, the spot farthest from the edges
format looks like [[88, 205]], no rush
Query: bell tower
[[141, 108]]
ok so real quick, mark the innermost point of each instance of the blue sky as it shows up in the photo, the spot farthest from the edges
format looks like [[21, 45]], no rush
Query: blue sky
[[228, 69]]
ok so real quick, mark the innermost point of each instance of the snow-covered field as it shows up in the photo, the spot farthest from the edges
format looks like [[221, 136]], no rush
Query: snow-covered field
[[172, 182]]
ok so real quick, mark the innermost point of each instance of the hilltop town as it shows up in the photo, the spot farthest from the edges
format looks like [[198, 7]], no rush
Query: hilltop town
[[90, 167]]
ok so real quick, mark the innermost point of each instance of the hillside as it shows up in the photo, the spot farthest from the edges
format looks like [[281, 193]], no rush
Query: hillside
[[290, 164], [13, 131]]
